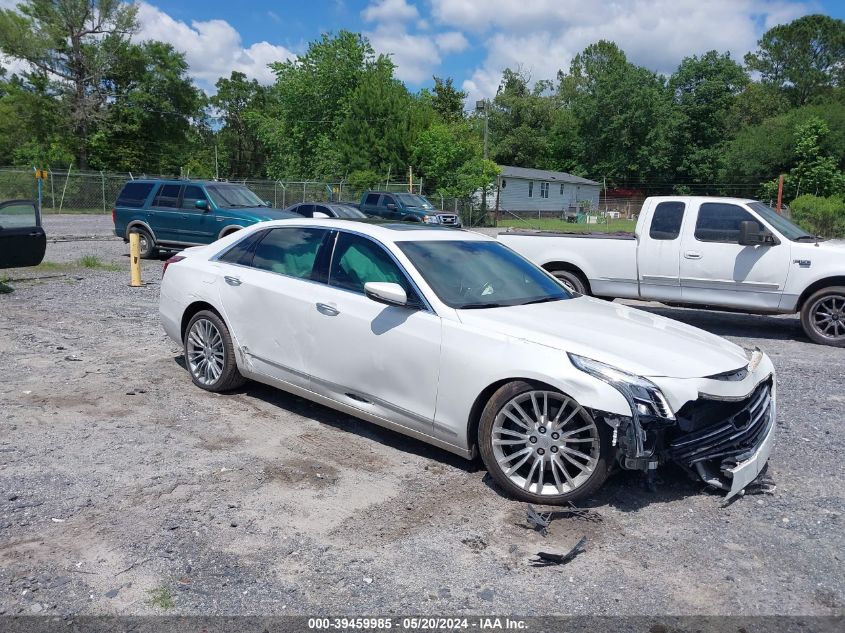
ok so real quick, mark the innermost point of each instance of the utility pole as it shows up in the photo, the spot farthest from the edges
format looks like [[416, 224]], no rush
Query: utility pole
[[216, 168], [780, 193], [483, 106]]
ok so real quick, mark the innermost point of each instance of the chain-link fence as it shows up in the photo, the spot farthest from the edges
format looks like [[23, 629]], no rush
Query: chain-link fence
[[69, 191]]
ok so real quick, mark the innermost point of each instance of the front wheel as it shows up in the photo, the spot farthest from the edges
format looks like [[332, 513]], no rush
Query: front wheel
[[210, 353], [542, 446], [823, 316]]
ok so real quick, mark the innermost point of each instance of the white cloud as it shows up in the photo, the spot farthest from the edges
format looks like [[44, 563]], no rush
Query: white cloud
[[451, 42], [390, 11], [213, 48], [542, 36]]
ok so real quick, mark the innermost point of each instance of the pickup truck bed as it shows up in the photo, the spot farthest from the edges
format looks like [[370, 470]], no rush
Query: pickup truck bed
[[616, 235]]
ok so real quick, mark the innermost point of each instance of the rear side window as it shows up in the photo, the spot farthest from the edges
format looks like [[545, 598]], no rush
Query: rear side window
[[289, 251], [134, 194], [167, 196], [372, 198], [241, 253], [666, 222], [719, 222]]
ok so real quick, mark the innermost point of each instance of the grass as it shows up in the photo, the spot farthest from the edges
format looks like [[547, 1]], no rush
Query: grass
[[556, 224], [94, 262], [5, 288], [161, 597]]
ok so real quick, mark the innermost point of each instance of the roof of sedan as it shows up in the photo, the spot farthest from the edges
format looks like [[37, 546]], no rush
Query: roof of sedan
[[388, 231]]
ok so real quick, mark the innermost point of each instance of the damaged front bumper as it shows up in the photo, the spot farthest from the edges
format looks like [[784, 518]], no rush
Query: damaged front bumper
[[722, 431]]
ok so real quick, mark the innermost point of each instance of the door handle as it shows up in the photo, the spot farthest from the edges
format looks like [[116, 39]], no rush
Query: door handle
[[328, 310], [232, 281], [692, 255]]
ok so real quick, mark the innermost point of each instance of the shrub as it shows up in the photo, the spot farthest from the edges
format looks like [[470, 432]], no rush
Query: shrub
[[820, 216]]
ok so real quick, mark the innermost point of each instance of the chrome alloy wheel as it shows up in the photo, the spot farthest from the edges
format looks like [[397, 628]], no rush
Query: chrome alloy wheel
[[545, 443], [206, 354], [828, 317]]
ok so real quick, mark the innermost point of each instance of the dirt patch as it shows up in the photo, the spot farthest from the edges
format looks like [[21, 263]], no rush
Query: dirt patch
[[301, 473]]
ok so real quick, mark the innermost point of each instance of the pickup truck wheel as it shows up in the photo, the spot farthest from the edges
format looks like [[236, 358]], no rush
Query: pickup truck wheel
[[823, 316], [147, 243], [571, 280], [210, 354], [541, 445]]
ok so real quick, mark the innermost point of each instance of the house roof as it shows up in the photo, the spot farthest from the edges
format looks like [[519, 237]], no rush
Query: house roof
[[543, 174]]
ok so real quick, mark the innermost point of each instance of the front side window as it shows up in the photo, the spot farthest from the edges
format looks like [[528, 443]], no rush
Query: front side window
[[192, 194], [666, 222], [386, 200], [289, 251], [719, 222], [358, 260], [481, 274], [530, 188], [167, 196], [18, 215], [134, 195]]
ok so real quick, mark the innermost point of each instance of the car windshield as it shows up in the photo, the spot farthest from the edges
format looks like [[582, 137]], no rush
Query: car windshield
[[480, 274], [413, 200], [784, 226], [233, 196], [343, 211]]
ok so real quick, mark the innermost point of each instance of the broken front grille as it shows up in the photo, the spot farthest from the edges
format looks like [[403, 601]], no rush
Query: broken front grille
[[735, 436]]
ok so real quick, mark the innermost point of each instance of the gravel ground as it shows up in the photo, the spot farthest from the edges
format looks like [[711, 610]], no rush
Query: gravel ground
[[126, 490]]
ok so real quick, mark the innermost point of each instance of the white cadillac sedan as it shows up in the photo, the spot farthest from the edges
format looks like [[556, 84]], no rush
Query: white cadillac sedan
[[450, 337]]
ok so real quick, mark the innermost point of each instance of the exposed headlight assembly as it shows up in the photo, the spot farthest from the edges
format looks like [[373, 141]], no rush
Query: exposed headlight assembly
[[644, 397], [431, 219]]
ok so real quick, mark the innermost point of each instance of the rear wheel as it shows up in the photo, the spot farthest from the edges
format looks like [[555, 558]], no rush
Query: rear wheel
[[210, 353], [571, 280], [823, 316], [147, 243], [541, 445]]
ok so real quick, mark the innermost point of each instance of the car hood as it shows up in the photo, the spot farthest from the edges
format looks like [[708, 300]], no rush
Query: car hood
[[629, 339]]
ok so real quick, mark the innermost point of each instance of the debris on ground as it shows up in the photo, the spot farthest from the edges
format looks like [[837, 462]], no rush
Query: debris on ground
[[546, 559], [539, 522]]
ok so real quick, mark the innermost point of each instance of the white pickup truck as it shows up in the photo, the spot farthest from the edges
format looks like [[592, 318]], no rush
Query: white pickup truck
[[720, 253]]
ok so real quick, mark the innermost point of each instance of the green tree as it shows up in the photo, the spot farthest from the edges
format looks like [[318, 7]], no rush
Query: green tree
[[802, 58], [241, 152], [75, 43], [819, 215], [446, 100]]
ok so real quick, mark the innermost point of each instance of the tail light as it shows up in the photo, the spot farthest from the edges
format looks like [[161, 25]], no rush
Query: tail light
[[114, 216], [172, 260]]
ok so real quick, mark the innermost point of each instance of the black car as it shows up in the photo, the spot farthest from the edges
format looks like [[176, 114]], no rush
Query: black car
[[328, 210], [22, 240]]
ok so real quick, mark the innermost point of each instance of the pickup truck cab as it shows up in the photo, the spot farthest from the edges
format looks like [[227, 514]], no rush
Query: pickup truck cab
[[405, 207], [22, 239], [720, 253], [175, 214]]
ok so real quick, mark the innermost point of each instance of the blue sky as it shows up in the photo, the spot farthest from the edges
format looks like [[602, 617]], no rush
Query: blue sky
[[470, 40]]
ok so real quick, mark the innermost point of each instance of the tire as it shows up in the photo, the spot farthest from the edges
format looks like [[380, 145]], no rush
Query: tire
[[411, 218], [207, 337], [522, 478], [149, 250], [572, 280], [823, 316]]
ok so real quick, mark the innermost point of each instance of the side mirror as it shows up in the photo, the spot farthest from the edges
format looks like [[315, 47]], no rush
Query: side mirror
[[749, 233], [320, 215], [268, 204], [201, 204], [390, 205], [385, 292]]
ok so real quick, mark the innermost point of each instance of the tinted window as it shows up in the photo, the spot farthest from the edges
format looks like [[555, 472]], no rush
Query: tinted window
[[134, 194], [719, 222], [190, 197], [386, 200], [241, 253], [306, 210], [18, 215], [358, 260], [481, 274], [666, 223], [167, 196], [344, 211], [289, 251], [372, 198]]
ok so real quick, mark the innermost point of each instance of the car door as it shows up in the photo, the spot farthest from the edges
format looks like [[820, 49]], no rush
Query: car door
[[659, 252], [165, 214], [389, 207], [197, 225], [22, 239], [716, 270], [267, 289], [381, 359]]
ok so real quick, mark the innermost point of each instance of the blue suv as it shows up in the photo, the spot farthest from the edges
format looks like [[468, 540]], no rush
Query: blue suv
[[175, 214]]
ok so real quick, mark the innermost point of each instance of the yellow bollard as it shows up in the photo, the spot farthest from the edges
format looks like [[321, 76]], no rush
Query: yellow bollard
[[135, 260]]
